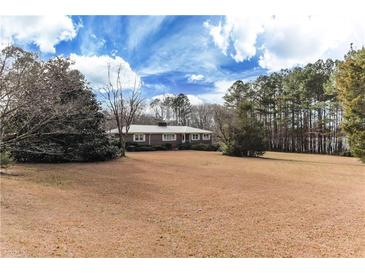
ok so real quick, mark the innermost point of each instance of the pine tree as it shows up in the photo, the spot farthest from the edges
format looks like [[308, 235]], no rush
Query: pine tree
[[246, 133], [350, 81]]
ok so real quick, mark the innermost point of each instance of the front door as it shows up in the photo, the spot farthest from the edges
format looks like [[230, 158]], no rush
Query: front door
[[183, 138]]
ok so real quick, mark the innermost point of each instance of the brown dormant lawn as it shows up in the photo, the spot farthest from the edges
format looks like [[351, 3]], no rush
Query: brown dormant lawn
[[186, 204]]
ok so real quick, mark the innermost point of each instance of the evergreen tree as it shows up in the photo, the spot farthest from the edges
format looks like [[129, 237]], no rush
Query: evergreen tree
[[298, 108], [53, 116], [246, 133], [350, 82]]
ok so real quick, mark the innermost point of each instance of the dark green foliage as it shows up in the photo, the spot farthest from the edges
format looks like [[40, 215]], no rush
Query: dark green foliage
[[298, 108], [80, 151], [350, 82], [145, 148], [127, 144], [167, 146], [132, 146], [5, 159], [247, 142], [115, 142], [198, 146], [162, 147], [246, 132], [184, 146], [58, 118], [204, 147], [83, 147]]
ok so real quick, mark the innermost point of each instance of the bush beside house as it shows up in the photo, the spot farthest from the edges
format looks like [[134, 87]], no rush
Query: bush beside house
[[135, 147]]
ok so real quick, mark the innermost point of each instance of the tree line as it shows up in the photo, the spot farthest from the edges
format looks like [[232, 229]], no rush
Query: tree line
[[173, 108], [318, 108], [178, 110], [49, 113], [299, 108]]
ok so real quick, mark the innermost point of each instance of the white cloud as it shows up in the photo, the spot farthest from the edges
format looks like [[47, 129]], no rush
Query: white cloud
[[195, 77], [286, 41], [223, 85], [220, 35], [95, 69], [157, 87], [237, 34], [43, 31], [216, 96], [162, 96], [293, 41], [90, 44], [141, 27], [195, 100], [177, 52], [213, 97]]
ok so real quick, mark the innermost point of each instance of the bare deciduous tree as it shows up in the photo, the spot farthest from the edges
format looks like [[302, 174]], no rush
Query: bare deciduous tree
[[124, 104], [19, 75], [202, 116], [223, 119]]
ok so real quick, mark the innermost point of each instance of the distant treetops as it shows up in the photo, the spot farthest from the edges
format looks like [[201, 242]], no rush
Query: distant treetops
[[304, 109], [49, 113]]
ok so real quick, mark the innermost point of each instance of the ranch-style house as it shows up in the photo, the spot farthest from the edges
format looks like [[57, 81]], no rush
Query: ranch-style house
[[164, 134]]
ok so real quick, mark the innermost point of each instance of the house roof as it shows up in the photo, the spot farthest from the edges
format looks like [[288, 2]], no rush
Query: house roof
[[161, 129]]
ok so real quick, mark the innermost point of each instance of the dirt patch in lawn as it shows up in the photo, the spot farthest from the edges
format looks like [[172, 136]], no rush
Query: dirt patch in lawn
[[186, 204]]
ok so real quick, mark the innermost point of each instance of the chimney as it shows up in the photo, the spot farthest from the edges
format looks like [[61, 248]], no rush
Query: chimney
[[162, 124]]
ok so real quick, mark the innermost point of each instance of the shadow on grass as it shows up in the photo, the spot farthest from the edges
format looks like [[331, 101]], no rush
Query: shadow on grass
[[300, 160], [309, 161], [5, 173]]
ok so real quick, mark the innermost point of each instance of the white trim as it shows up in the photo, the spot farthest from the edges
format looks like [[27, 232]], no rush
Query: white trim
[[206, 136], [195, 139], [164, 135], [139, 135]]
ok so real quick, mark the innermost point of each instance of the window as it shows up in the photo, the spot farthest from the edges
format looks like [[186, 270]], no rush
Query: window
[[168, 137], [195, 137], [206, 136], [140, 137]]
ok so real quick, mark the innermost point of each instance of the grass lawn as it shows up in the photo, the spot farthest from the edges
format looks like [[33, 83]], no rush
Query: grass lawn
[[186, 203]]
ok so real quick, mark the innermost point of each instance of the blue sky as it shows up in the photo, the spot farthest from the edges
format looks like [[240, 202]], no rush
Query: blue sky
[[164, 50], [197, 55]]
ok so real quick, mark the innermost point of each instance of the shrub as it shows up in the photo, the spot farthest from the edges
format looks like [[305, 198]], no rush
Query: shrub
[[85, 150], [246, 134], [168, 146], [5, 159], [204, 147], [185, 146], [199, 146], [142, 147], [240, 151], [115, 142], [162, 147], [127, 144], [346, 153], [99, 150], [131, 148]]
